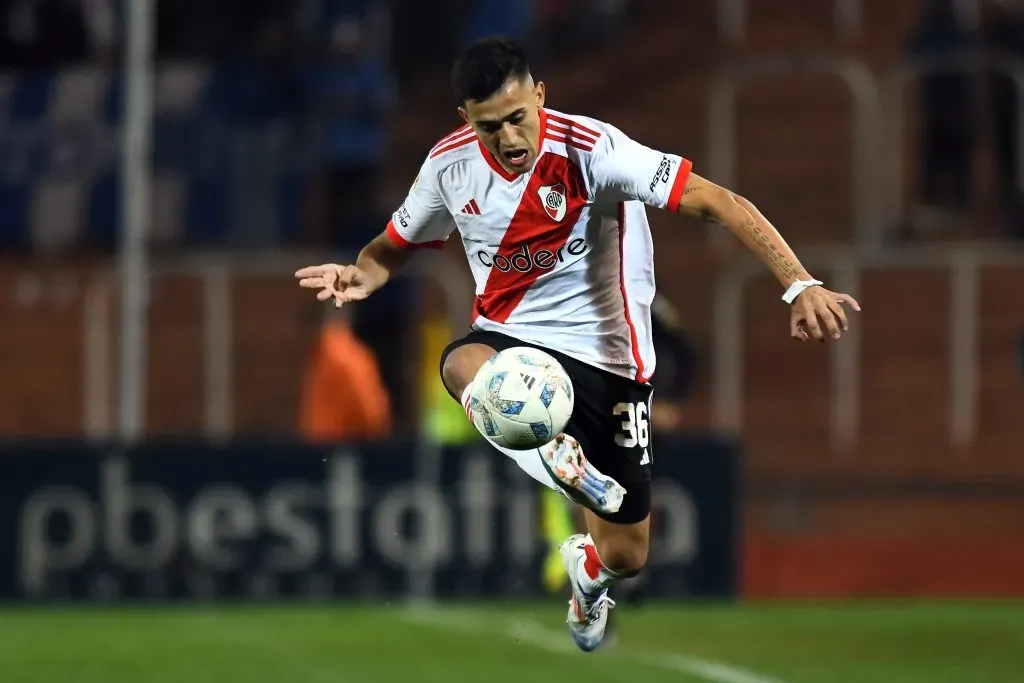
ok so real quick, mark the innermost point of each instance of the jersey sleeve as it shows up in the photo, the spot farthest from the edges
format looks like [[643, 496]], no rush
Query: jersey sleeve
[[423, 220], [622, 169]]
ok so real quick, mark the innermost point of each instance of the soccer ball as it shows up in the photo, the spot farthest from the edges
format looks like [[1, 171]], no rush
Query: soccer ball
[[521, 398]]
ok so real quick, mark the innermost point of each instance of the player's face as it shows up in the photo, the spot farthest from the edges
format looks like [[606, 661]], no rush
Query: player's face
[[508, 123]]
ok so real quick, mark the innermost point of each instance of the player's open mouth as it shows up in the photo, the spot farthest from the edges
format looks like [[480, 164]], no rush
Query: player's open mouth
[[516, 157]]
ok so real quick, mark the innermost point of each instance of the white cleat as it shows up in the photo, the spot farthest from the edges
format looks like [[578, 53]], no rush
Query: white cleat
[[588, 612], [564, 460]]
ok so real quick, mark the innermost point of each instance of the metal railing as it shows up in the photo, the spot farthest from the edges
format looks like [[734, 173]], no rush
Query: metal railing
[[732, 18], [848, 17], [845, 266], [841, 266], [854, 74], [216, 273], [893, 91]]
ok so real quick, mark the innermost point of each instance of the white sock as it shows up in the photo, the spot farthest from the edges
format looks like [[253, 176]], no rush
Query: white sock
[[529, 461], [591, 573]]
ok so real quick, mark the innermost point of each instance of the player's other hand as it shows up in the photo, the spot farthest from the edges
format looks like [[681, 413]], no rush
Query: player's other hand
[[342, 283], [818, 314]]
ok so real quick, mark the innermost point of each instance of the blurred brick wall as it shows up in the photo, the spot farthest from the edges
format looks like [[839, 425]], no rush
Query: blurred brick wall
[[43, 351]]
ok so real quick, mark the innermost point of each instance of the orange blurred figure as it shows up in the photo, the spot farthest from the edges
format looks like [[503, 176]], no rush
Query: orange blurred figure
[[343, 396]]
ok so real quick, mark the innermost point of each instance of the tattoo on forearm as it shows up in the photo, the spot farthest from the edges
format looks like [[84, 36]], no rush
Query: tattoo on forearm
[[778, 261]]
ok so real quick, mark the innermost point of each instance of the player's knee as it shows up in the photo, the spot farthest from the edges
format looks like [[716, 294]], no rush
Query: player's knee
[[625, 554], [461, 366]]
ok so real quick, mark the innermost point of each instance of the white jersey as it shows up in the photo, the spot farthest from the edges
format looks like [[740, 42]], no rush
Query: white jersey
[[562, 255]]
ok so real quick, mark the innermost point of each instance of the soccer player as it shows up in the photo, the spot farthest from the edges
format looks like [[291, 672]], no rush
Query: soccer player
[[551, 211]]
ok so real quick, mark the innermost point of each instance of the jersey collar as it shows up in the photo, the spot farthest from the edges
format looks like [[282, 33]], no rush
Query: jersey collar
[[497, 168]]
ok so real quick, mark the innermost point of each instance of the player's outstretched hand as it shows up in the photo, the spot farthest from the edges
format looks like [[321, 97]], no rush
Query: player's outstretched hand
[[342, 283], [818, 313]]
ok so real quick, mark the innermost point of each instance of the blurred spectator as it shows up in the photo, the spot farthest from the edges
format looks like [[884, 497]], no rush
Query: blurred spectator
[[562, 27], [103, 24], [425, 36], [259, 88], [237, 24], [343, 396], [498, 17], [947, 116], [351, 95], [46, 33], [388, 326], [607, 18], [676, 369], [1003, 32]]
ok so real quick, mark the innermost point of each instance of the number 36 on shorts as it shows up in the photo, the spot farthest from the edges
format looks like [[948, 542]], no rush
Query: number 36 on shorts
[[635, 426]]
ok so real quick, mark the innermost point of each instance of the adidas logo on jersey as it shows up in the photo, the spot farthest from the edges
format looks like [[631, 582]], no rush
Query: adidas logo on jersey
[[471, 208], [645, 459]]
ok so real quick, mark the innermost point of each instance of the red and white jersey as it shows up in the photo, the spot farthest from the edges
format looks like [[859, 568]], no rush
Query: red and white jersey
[[562, 255]]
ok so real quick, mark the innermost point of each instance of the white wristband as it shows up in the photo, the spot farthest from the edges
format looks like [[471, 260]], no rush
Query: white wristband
[[800, 285]]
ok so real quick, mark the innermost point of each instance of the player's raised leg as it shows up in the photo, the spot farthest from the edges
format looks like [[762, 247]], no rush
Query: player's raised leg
[[560, 464], [458, 369]]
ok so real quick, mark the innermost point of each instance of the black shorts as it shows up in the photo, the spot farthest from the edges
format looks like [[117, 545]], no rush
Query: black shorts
[[609, 420]]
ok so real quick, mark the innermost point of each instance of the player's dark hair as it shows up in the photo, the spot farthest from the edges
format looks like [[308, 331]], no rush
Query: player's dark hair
[[484, 66]]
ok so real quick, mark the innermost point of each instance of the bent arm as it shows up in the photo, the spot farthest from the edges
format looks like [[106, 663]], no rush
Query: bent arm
[[381, 259], [714, 203]]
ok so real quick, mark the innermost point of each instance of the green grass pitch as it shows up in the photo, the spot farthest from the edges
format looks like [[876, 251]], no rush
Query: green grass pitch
[[517, 643]]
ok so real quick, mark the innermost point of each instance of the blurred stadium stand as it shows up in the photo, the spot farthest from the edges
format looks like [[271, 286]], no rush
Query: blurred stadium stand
[[61, 178], [230, 163]]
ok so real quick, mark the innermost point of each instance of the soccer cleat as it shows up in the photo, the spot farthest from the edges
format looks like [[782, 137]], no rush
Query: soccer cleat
[[564, 460], [588, 612]]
